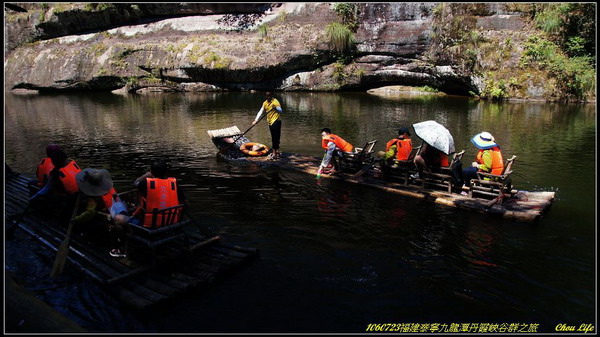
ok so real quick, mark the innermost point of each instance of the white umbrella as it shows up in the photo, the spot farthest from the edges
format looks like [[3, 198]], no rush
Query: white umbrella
[[436, 135]]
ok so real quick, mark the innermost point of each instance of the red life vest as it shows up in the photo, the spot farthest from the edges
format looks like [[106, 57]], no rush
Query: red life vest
[[108, 198], [403, 147], [67, 177], [43, 171], [497, 161], [162, 193], [444, 160], [339, 142]]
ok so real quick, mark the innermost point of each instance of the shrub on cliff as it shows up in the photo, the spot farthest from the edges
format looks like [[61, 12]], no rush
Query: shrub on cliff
[[340, 37], [576, 77]]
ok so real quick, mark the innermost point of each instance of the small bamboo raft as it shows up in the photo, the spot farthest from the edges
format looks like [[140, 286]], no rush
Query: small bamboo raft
[[138, 285], [523, 206]]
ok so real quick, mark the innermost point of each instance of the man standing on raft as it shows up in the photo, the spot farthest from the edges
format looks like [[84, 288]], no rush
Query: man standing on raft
[[273, 109]]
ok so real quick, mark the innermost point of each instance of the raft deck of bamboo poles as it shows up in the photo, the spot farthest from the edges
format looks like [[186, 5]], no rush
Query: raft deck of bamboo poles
[[140, 285], [523, 206]]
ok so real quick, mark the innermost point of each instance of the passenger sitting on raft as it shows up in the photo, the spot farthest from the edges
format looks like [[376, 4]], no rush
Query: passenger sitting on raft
[[98, 195], [56, 173], [397, 149], [430, 159], [488, 159], [334, 145], [150, 186], [56, 182]]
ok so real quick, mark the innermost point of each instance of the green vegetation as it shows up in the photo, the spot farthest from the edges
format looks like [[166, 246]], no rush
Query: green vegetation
[[263, 31], [427, 88], [455, 38], [195, 54], [99, 6], [282, 16], [126, 52], [576, 76], [348, 12], [340, 37], [132, 81], [213, 60], [556, 57], [101, 72], [338, 72], [494, 89], [97, 49], [571, 26], [359, 73]]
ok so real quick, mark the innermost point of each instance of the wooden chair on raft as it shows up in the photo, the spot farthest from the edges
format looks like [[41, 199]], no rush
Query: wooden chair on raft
[[490, 185], [352, 162], [400, 170], [443, 180], [162, 228]]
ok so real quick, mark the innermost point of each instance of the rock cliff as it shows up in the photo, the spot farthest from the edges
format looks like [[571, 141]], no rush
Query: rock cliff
[[204, 47]]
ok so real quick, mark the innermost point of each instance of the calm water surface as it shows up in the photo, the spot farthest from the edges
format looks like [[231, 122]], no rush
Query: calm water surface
[[334, 257]]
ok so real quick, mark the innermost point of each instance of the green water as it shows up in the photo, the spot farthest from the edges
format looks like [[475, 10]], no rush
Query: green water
[[336, 257]]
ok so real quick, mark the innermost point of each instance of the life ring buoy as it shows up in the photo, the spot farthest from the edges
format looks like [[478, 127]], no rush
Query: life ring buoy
[[246, 149]]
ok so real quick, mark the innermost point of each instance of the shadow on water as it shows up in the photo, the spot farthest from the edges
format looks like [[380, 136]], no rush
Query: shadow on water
[[334, 256]]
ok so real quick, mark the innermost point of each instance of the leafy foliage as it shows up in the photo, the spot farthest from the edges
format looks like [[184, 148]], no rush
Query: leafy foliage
[[340, 37], [348, 12], [572, 26], [576, 76]]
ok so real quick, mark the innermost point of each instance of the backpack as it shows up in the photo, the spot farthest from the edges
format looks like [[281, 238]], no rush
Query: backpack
[[456, 173]]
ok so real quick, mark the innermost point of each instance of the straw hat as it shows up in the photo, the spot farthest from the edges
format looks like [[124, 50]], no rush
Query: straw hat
[[484, 140], [94, 182]]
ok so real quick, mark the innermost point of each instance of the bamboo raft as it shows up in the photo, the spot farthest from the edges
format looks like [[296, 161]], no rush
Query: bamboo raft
[[523, 206], [138, 285]]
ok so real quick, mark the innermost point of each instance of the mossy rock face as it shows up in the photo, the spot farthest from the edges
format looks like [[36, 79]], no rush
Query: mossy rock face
[[410, 44]]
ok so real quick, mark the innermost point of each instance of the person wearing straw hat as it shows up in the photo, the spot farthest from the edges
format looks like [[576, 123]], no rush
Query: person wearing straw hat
[[488, 159], [98, 195]]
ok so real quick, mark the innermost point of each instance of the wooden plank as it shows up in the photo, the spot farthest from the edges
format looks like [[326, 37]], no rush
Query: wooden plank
[[229, 252], [309, 165], [80, 250], [129, 274], [144, 292], [249, 251], [157, 286], [130, 298], [202, 275], [172, 282], [53, 247], [135, 287]]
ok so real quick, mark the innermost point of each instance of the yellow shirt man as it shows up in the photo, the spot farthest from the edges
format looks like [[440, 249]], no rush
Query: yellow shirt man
[[272, 108]]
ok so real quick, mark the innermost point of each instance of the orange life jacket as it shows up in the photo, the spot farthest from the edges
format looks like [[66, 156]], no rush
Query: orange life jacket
[[67, 177], [497, 162], [162, 193], [444, 160], [43, 171], [108, 197], [403, 147], [339, 142]]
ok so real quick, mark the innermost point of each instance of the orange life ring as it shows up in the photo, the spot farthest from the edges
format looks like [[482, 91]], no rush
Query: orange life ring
[[246, 149]]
